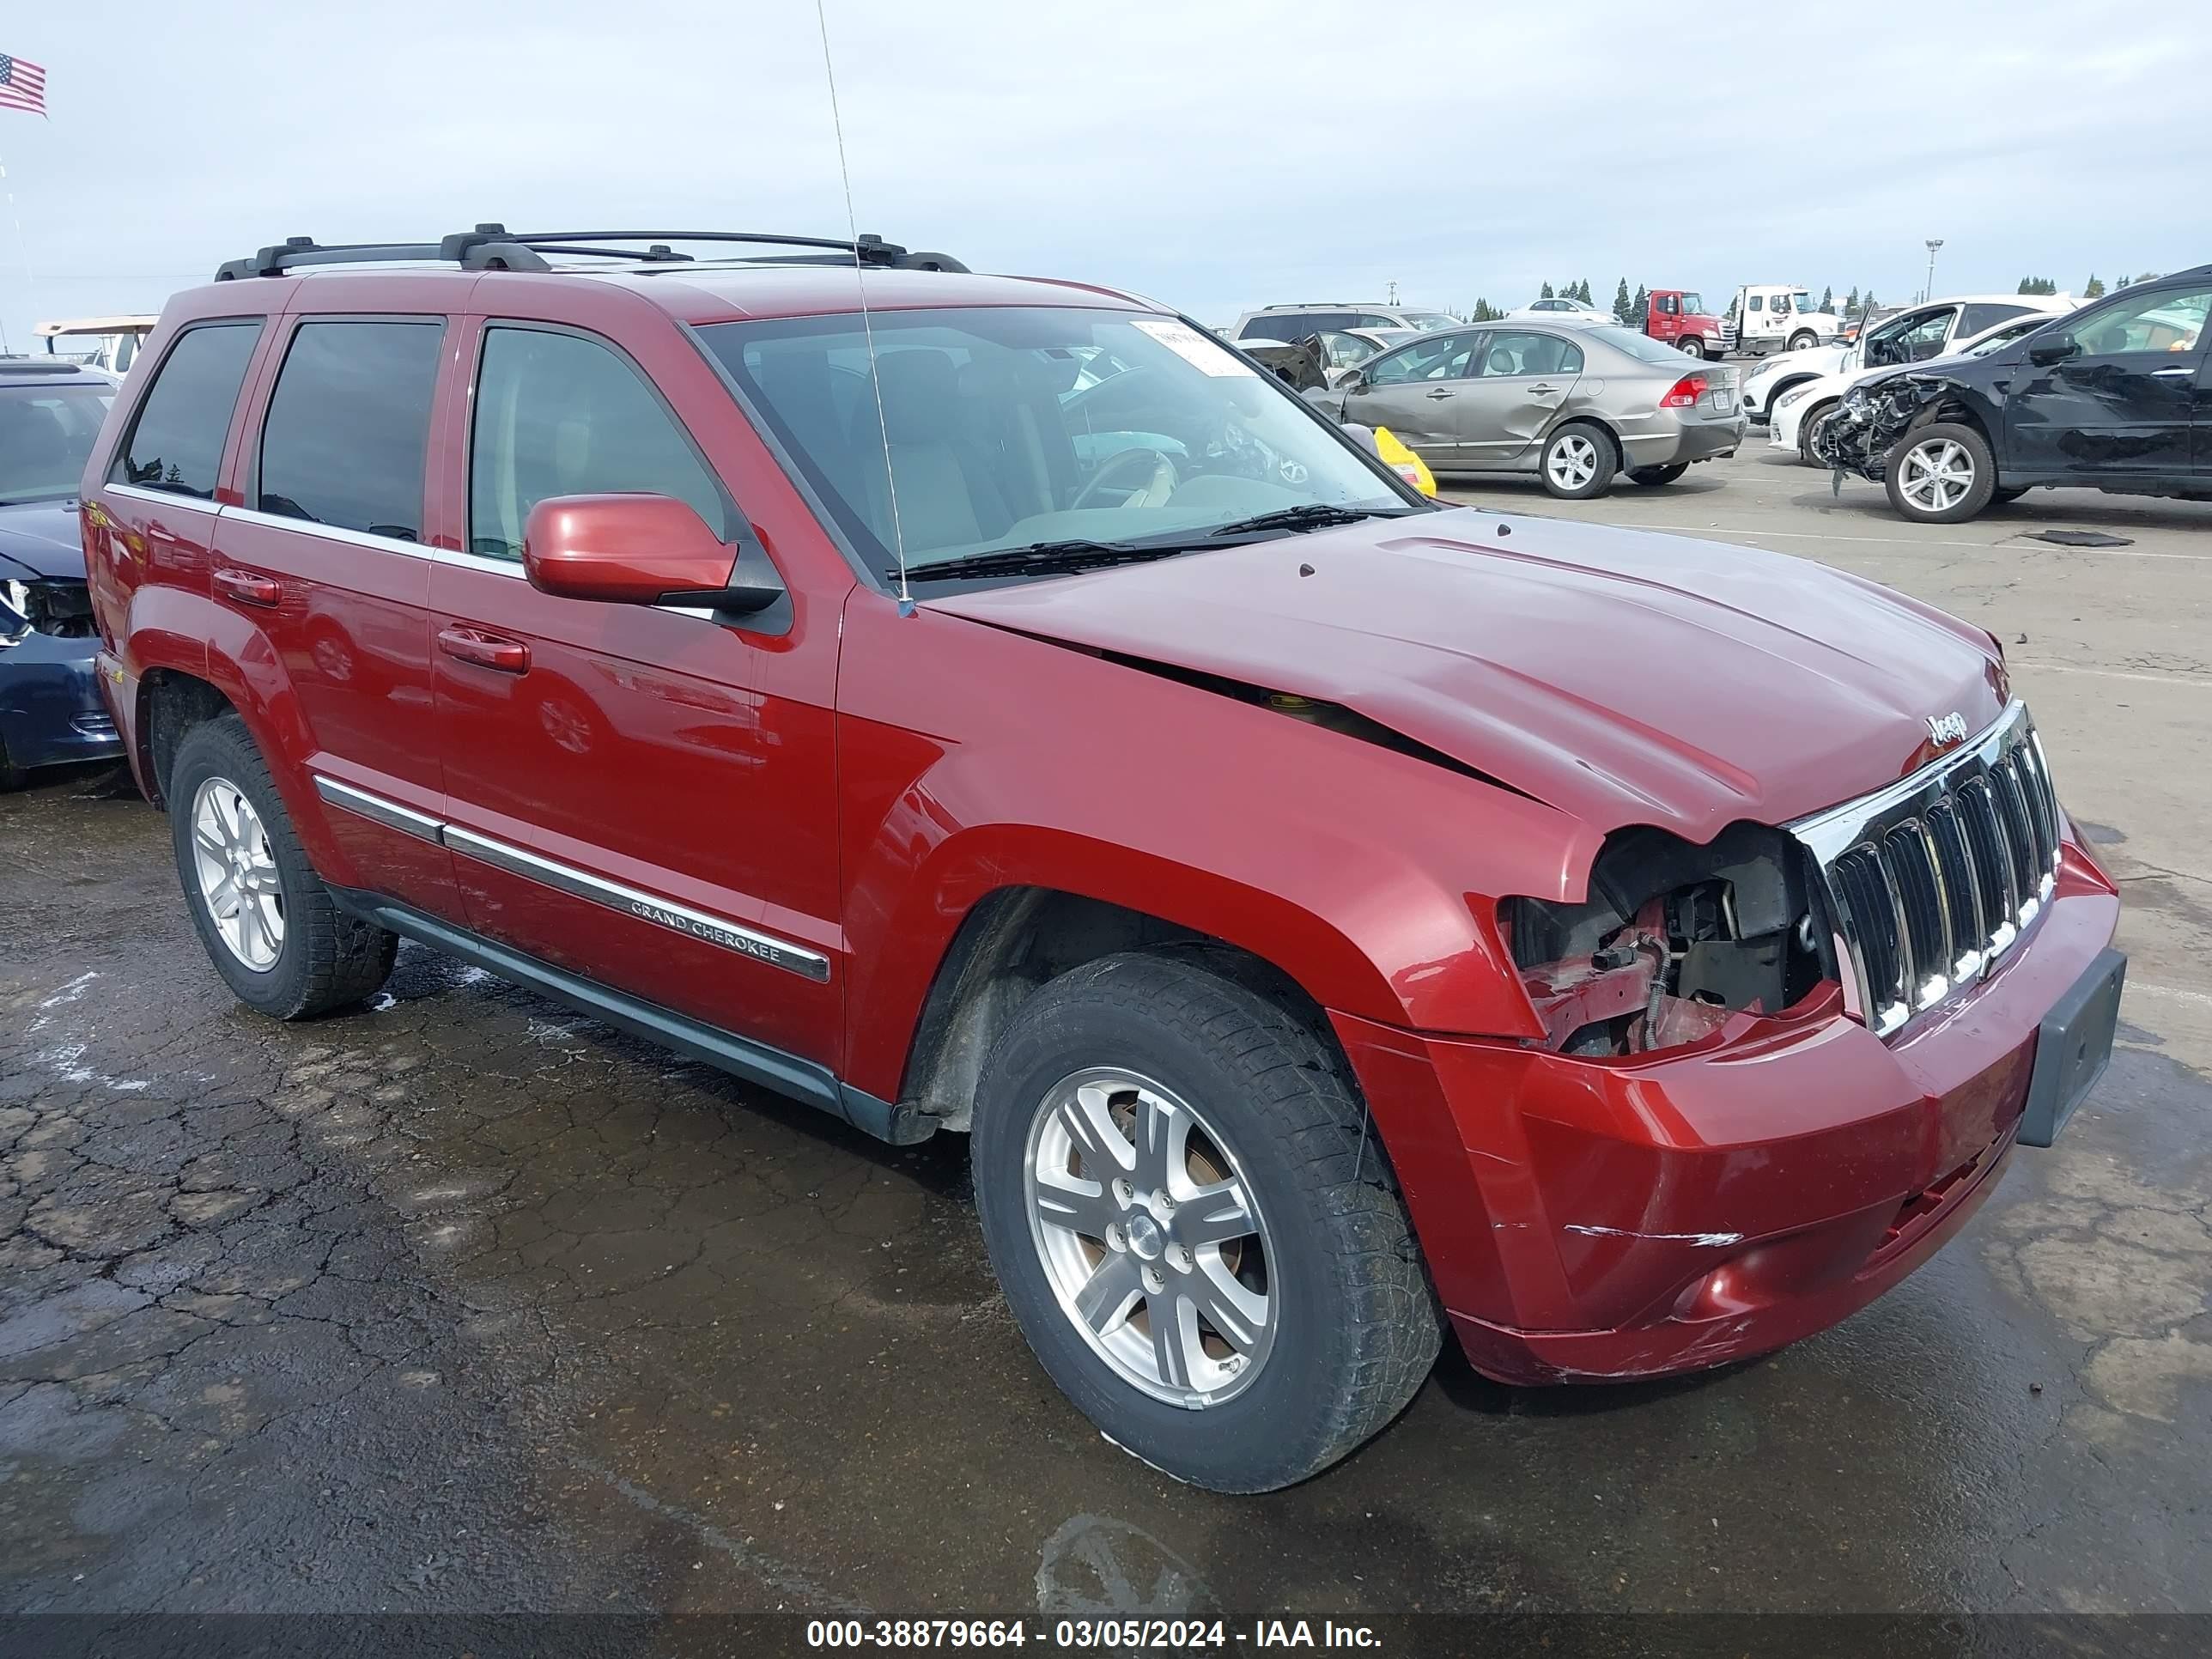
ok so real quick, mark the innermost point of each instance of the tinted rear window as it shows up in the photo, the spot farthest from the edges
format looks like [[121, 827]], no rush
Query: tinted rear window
[[176, 442], [1298, 325], [343, 441]]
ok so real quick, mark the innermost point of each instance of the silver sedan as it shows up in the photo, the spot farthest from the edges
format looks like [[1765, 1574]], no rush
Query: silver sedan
[[1575, 406]]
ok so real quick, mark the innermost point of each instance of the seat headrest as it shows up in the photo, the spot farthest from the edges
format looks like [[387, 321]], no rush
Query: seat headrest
[[1501, 361], [921, 386]]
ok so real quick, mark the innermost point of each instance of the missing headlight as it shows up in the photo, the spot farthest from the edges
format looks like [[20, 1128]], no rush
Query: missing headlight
[[1672, 939]]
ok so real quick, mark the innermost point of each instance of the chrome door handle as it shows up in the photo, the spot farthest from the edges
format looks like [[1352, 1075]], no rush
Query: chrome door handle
[[491, 650], [1543, 390], [1439, 393], [2176, 372], [247, 587]]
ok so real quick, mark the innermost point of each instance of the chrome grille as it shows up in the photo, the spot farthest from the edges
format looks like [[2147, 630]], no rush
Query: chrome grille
[[1932, 880]]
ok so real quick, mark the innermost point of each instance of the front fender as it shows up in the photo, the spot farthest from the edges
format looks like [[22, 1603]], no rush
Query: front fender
[[1369, 877]]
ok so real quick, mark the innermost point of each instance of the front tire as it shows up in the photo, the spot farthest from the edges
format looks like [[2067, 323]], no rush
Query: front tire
[[1201, 1246], [1652, 477], [1693, 345], [1578, 462], [263, 912], [1940, 474], [1810, 425], [1801, 342]]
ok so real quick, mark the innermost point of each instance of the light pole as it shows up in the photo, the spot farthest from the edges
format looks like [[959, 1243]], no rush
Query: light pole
[[1934, 242], [1394, 294]]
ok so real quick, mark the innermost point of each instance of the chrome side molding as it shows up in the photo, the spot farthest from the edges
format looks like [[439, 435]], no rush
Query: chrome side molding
[[720, 931]]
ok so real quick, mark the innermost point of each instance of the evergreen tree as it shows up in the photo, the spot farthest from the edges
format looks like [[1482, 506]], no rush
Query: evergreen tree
[[1640, 308], [2122, 284], [1582, 293], [1851, 300], [1620, 303], [2146, 276], [2094, 289], [1827, 299], [1548, 294]]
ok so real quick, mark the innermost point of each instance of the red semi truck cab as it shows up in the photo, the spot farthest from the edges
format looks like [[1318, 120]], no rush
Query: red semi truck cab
[[1679, 317]]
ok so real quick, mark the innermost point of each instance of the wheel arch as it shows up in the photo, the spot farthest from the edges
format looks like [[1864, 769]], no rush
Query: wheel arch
[[1014, 941]]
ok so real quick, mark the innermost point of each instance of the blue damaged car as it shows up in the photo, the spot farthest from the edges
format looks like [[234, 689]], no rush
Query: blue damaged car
[[50, 708]]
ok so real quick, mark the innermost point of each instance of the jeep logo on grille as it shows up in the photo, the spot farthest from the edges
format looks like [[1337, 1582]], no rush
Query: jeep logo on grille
[[1948, 729]]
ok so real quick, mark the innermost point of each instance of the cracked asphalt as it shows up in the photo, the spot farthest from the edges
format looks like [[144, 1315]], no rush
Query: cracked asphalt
[[464, 1303]]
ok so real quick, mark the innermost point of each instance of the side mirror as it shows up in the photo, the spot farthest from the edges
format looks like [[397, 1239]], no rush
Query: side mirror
[[1350, 379], [2053, 351], [640, 549]]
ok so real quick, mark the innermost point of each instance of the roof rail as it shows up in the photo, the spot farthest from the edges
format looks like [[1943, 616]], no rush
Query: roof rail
[[494, 248]]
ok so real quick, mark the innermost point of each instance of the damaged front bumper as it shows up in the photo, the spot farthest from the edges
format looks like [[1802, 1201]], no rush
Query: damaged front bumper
[[1868, 424], [1588, 1219]]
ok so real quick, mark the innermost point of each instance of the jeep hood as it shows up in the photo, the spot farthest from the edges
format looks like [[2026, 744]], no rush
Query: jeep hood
[[40, 539], [1620, 676]]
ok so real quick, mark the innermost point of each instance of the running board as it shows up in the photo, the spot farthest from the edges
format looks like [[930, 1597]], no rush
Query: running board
[[741, 1057]]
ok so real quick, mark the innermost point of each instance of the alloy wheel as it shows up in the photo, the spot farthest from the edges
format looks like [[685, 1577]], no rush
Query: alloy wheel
[[1692, 344], [1573, 461], [1934, 476], [237, 871], [1151, 1238]]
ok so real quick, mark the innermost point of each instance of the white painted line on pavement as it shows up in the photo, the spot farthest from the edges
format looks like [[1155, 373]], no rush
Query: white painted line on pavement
[[2135, 986], [2105, 673], [1904, 541]]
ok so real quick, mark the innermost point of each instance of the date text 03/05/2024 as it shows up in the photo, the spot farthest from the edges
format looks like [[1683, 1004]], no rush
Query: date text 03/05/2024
[[1167, 1635]]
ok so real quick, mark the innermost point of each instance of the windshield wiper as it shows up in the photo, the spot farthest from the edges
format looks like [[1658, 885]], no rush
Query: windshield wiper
[[1045, 558], [1308, 515]]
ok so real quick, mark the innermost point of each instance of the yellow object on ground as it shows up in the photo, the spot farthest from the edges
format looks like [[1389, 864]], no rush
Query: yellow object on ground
[[1403, 462]]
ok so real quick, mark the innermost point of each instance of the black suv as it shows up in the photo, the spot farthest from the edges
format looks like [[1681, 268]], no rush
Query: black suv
[[2117, 396]]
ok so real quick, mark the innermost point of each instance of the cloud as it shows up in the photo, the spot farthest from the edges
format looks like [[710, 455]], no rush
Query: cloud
[[1217, 157]]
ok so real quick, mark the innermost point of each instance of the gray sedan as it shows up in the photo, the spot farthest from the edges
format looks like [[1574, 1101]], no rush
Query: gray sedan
[[1574, 405]]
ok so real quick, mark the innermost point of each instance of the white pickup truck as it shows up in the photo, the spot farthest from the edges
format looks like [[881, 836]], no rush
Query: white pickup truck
[[1767, 317]]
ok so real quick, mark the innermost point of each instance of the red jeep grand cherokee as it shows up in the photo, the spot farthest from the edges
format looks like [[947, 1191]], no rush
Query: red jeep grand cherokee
[[1001, 709]]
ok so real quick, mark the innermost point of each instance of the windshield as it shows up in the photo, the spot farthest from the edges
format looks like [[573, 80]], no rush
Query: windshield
[[1002, 429], [46, 437], [1802, 301], [1998, 339], [1694, 305], [1430, 320]]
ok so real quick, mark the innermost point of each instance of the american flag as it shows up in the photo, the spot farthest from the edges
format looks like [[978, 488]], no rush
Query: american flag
[[22, 86]]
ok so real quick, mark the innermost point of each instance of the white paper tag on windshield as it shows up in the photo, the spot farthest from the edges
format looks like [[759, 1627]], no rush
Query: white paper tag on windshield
[[1194, 348]]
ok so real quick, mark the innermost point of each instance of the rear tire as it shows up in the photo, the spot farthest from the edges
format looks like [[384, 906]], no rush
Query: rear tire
[[265, 915], [1809, 425], [1578, 462], [1654, 476], [1940, 474], [1140, 1075]]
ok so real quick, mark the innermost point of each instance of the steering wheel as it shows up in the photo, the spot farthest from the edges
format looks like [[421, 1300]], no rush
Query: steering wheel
[[1158, 484]]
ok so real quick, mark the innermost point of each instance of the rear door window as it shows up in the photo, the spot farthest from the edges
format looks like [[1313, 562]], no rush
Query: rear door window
[[343, 439], [1511, 353], [561, 415], [176, 440], [1974, 319]]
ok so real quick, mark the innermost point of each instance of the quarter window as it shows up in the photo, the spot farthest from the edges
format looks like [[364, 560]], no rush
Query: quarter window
[[343, 441], [559, 414], [176, 442]]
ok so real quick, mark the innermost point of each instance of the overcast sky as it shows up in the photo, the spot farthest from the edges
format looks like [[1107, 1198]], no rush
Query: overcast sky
[[1216, 155]]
